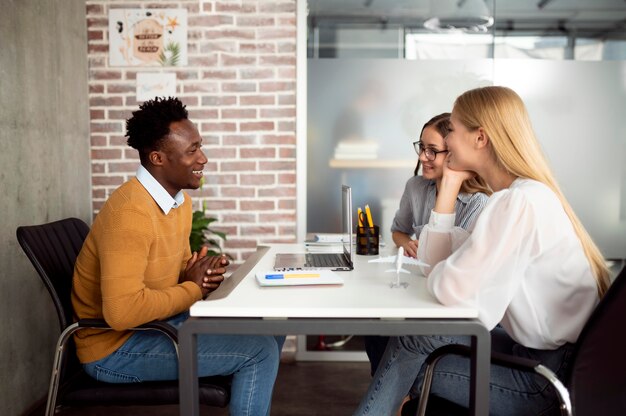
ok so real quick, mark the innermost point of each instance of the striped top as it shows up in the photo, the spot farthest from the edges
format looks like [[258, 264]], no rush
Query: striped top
[[418, 200]]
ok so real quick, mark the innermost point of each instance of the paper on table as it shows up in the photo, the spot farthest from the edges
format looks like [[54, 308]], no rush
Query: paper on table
[[405, 260]]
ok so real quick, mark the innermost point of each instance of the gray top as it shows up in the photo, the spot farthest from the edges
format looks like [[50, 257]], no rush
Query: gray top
[[418, 200]]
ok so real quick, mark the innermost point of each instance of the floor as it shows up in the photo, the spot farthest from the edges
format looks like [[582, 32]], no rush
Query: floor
[[302, 389]]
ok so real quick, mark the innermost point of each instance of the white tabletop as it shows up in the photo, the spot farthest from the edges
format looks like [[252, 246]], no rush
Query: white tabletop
[[366, 293]]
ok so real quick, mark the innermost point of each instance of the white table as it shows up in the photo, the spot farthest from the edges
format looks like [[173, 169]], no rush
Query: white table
[[364, 305]]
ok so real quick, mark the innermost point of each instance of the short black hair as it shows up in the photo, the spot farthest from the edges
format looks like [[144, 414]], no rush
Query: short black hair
[[151, 123]]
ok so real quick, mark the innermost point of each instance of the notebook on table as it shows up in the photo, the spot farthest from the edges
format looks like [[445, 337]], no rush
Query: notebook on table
[[330, 261]]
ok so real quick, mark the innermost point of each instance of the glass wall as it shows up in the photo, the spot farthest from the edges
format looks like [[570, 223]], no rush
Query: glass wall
[[375, 78]]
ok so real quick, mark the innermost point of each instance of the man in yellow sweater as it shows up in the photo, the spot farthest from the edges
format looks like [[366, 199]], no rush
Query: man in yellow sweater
[[136, 266]]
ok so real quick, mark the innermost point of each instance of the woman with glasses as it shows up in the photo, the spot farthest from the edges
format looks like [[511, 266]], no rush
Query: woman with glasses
[[418, 200], [528, 265]]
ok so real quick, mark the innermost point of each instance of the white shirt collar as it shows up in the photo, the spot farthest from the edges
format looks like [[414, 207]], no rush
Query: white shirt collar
[[158, 192]]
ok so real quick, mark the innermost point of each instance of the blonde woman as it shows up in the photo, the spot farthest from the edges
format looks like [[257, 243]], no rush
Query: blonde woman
[[528, 265]]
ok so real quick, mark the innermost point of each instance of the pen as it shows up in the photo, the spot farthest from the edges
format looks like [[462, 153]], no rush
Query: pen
[[368, 213], [359, 214]]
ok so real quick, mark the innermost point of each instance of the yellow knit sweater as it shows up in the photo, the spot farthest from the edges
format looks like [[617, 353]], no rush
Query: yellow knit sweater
[[128, 269]]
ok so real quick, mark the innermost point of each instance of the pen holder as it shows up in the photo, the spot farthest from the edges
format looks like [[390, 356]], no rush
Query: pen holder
[[367, 240]]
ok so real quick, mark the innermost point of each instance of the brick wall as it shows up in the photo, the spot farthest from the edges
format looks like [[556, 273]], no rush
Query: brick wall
[[240, 89]]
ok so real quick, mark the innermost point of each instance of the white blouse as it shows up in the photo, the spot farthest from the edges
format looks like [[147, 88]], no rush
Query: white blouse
[[522, 265]]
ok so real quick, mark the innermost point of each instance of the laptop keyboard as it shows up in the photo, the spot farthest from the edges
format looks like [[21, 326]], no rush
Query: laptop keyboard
[[325, 260]]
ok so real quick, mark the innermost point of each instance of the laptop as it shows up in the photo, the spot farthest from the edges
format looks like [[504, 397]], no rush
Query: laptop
[[330, 261]]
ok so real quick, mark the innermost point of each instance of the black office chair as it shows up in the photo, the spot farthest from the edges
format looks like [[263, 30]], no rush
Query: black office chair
[[52, 248], [596, 383]]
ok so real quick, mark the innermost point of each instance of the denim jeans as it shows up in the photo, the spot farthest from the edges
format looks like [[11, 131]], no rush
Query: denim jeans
[[511, 392], [150, 355]]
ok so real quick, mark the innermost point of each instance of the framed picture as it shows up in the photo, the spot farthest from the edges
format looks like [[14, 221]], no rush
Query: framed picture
[[148, 37]]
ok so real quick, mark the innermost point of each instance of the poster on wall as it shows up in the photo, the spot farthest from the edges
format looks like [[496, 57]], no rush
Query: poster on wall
[[155, 84], [148, 37]]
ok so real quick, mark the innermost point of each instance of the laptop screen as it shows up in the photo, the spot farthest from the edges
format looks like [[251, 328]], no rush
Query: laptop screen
[[346, 220]]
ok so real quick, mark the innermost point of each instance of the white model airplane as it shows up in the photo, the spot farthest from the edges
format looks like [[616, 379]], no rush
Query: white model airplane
[[399, 269]]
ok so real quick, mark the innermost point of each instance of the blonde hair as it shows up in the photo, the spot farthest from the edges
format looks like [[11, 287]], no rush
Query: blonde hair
[[503, 116], [441, 123]]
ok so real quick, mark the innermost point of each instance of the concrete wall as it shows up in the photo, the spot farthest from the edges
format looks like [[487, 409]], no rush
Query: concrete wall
[[44, 174]]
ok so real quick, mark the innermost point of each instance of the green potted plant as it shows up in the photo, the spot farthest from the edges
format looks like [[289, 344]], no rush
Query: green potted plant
[[202, 234]]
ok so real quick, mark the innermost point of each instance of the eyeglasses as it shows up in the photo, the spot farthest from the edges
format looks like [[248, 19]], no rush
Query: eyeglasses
[[431, 154]]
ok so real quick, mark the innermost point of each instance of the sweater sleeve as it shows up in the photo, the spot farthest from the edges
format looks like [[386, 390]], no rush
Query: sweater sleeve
[[124, 250]]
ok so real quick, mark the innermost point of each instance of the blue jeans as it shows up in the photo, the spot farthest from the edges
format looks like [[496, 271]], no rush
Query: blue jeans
[[150, 355], [511, 392]]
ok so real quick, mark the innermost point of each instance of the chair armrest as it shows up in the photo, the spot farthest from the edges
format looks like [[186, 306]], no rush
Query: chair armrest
[[499, 359]]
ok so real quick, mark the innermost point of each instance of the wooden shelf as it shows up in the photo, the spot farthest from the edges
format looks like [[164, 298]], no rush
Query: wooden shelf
[[371, 163]]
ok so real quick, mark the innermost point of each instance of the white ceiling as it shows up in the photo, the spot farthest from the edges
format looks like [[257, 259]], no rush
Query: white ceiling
[[520, 14]]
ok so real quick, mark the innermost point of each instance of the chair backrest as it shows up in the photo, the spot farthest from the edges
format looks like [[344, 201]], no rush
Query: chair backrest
[[597, 381], [52, 248]]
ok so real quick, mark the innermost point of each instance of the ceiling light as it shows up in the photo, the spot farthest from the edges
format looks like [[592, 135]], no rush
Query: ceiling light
[[459, 15]]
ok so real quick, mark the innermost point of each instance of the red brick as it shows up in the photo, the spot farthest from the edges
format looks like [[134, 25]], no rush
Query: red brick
[[278, 112], [218, 46], [202, 61], [256, 73], [237, 7], [237, 166], [105, 101], [265, 33], [233, 60], [106, 154], [257, 153], [255, 21], [287, 153], [257, 179], [201, 114], [97, 140], [287, 73], [256, 205], [230, 34], [98, 167], [97, 180], [286, 21], [95, 35], [220, 153], [257, 47], [287, 126], [120, 114], [219, 74], [97, 22], [96, 62], [130, 153], [239, 86], [209, 20], [278, 192], [279, 217], [120, 140], [189, 101], [286, 99], [271, 86], [258, 230], [97, 74], [94, 9], [286, 47], [121, 88], [95, 48], [277, 7], [257, 126], [287, 230], [278, 139], [239, 243], [96, 88], [287, 204], [280, 165], [257, 99], [287, 178], [238, 218], [222, 100], [217, 205], [98, 194], [239, 113], [236, 192], [200, 87], [211, 127], [96, 114], [278, 60], [238, 139], [207, 7]]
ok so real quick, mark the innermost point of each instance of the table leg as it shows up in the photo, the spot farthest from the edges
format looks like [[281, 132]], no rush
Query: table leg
[[188, 372]]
